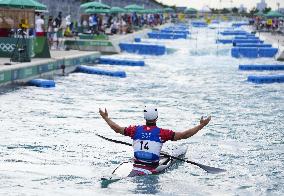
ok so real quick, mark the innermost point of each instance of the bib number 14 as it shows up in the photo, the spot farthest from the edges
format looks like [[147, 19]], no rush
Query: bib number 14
[[145, 146]]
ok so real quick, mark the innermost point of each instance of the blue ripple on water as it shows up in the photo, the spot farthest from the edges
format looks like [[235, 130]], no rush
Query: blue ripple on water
[[36, 148]]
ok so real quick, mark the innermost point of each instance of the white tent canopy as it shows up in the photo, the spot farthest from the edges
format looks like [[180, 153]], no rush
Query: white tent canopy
[[205, 9]]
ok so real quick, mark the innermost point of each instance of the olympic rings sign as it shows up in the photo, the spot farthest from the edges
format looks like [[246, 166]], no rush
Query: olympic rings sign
[[7, 47]]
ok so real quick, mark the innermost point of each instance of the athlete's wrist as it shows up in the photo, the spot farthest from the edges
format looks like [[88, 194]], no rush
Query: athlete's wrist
[[201, 125], [106, 118]]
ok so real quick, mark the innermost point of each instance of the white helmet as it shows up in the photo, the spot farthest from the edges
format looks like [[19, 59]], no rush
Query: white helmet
[[150, 113]]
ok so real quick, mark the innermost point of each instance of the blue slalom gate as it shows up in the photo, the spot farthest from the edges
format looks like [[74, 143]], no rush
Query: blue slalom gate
[[224, 41], [143, 48], [240, 39], [42, 83], [261, 67], [266, 79], [248, 36], [137, 39], [235, 33], [162, 35], [125, 62], [253, 52], [199, 24], [237, 41], [94, 70], [257, 45], [173, 31], [239, 24]]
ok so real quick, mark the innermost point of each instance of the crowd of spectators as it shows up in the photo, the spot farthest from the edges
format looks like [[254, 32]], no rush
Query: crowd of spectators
[[94, 24], [119, 24], [274, 25]]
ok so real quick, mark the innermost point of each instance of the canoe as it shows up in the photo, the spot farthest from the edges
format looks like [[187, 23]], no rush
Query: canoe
[[130, 169], [124, 169]]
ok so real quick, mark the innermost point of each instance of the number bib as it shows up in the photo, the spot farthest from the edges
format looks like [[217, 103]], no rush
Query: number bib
[[147, 145]]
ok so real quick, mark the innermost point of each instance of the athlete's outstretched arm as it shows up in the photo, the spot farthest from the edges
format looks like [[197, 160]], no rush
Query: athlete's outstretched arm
[[190, 132], [113, 125]]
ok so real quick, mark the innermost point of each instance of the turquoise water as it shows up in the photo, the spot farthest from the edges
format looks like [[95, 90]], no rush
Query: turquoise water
[[48, 144]]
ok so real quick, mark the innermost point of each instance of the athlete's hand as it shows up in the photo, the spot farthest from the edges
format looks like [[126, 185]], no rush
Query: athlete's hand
[[104, 114], [205, 121]]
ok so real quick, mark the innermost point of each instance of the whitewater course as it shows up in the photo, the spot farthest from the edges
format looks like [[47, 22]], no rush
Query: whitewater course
[[48, 143]]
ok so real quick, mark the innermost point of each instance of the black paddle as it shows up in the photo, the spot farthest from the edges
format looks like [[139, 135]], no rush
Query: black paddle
[[212, 170]]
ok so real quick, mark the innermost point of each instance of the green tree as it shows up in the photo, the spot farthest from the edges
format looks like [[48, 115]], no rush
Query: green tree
[[266, 10], [235, 10], [252, 12], [214, 11], [225, 11]]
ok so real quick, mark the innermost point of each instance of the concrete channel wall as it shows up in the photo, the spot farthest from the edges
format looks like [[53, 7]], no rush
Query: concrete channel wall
[[41, 68]]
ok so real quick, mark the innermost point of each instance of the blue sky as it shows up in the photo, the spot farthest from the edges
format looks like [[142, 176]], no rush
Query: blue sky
[[224, 3]]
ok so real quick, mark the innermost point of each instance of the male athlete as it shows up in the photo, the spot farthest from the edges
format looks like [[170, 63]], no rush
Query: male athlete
[[148, 139]]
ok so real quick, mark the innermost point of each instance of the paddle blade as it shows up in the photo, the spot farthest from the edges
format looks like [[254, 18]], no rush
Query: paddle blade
[[212, 170]]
